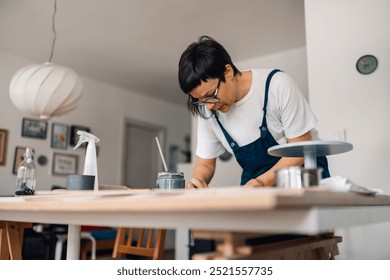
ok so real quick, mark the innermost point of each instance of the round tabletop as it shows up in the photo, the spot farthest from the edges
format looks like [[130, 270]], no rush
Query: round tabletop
[[321, 148]]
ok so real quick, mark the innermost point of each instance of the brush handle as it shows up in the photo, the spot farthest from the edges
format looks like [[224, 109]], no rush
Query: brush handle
[[162, 156]]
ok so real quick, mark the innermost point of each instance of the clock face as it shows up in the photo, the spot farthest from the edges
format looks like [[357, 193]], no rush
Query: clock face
[[366, 64]]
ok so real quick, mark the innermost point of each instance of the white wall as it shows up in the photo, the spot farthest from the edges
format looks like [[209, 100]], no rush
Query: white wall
[[338, 33], [103, 108], [292, 61]]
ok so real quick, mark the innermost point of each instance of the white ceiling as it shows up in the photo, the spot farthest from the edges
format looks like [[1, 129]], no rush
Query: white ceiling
[[136, 44]]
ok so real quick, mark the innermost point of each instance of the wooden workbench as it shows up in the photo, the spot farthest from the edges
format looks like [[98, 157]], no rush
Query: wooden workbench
[[222, 209]]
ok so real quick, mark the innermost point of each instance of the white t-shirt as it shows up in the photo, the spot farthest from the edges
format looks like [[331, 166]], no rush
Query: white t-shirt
[[288, 116]]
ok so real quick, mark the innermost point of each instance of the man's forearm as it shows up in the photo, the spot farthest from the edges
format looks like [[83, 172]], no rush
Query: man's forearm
[[204, 169]]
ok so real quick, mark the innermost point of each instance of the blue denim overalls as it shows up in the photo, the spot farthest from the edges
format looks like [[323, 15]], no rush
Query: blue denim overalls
[[253, 157]]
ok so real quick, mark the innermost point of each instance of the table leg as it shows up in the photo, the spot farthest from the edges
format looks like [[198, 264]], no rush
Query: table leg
[[182, 241], [73, 247]]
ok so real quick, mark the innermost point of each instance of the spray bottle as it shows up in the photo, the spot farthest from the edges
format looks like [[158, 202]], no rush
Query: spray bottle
[[90, 164]]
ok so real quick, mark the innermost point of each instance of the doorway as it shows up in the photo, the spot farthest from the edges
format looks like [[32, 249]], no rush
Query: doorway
[[142, 160]]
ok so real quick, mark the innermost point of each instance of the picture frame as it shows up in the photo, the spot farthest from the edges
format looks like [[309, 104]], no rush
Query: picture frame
[[18, 158], [59, 136], [3, 146], [34, 128], [74, 138], [64, 164]]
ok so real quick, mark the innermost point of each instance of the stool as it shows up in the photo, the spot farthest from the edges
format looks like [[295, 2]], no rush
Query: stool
[[105, 239], [83, 235], [100, 239]]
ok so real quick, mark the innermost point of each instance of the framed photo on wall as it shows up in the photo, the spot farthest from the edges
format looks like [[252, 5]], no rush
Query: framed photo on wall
[[3, 146], [74, 138], [65, 164], [34, 128], [59, 136]]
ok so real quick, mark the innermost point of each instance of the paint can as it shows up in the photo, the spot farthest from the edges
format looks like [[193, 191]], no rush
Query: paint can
[[170, 180]]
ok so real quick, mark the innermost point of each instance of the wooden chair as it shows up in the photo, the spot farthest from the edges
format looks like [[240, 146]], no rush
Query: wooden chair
[[11, 239], [143, 246]]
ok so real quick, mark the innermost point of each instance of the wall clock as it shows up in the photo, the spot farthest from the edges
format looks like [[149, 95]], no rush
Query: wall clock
[[366, 64]]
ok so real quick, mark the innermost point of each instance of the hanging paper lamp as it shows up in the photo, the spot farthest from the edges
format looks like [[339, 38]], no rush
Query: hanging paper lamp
[[45, 90]]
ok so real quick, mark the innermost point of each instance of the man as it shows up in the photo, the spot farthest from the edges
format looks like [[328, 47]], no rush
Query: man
[[244, 113]]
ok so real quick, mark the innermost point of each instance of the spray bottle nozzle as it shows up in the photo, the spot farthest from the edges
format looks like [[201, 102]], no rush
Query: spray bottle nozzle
[[85, 137]]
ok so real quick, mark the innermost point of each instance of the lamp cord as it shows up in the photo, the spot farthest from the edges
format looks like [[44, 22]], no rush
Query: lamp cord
[[54, 31]]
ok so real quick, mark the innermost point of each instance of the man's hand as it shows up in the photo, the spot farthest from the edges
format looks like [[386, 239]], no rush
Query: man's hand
[[254, 183], [202, 174], [196, 183]]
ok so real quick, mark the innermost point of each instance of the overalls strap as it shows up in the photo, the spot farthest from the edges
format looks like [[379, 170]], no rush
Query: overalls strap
[[233, 144], [263, 128]]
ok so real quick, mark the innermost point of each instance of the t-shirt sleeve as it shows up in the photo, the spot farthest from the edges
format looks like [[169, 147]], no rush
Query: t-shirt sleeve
[[208, 145], [295, 114]]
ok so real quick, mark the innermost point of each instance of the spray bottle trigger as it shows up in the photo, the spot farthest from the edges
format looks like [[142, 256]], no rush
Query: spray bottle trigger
[[81, 141]]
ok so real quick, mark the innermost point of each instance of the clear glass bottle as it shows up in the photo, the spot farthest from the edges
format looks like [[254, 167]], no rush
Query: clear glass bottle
[[26, 176]]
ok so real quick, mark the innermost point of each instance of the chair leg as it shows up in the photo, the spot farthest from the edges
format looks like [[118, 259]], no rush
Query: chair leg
[[59, 245], [4, 254], [13, 240], [88, 235], [83, 235], [160, 240], [120, 237]]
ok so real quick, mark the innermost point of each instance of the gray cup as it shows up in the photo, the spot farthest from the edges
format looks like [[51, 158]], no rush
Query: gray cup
[[79, 182]]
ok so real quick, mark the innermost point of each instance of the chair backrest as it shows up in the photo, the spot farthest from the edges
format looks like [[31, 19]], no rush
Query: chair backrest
[[148, 243]]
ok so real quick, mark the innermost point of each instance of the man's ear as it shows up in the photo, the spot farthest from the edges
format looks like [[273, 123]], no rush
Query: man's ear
[[229, 72]]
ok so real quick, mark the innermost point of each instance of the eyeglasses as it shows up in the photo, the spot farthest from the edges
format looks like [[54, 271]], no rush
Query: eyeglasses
[[208, 100]]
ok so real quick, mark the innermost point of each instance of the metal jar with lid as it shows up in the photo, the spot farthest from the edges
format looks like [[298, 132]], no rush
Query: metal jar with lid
[[170, 180], [296, 177]]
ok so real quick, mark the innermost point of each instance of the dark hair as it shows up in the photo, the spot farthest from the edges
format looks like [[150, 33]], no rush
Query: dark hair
[[202, 60]]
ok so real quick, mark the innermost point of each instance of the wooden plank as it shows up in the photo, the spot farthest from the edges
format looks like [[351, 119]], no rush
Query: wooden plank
[[316, 197], [135, 250], [227, 242], [207, 256], [221, 235], [305, 248]]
